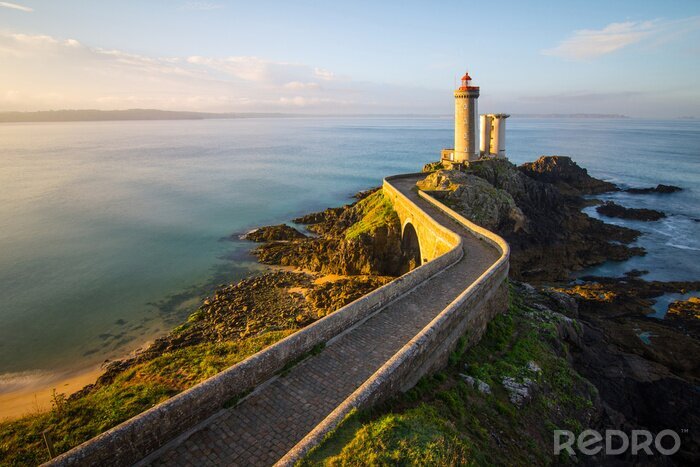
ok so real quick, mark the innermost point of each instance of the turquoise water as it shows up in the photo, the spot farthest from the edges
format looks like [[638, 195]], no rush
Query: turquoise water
[[110, 232]]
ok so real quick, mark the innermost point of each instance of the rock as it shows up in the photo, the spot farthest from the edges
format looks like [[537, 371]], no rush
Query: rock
[[433, 166], [478, 200], [481, 386], [533, 367], [332, 295], [665, 189], [618, 308], [563, 301], [271, 233], [329, 217], [569, 177], [549, 236], [365, 193], [518, 392], [358, 239], [638, 392], [527, 288], [636, 273], [685, 315], [612, 209]]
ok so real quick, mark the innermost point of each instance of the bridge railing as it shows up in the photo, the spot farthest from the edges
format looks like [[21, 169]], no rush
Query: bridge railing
[[430, 348]]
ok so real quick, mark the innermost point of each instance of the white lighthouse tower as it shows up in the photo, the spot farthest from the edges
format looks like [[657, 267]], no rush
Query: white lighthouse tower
[[466, 97], [467, 146]]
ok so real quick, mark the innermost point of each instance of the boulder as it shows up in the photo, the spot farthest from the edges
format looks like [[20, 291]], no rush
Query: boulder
[[271, 233], [664, 189], [569, 177], [612, 209], [477, 199]]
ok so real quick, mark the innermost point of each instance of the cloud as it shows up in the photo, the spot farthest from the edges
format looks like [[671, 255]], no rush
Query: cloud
[[201, 6], [45, 72], [16, 6], [300, 85], [324, 74], [592, 43]]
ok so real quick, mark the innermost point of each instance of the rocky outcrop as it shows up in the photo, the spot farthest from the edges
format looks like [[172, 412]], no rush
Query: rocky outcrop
[[566, 175], [362, 238], [549, 236], [477, 199], [271, 233], [639, 393], [273, 301], [612, 209], [664, 189], [641, 386], [685, 315], [645, 369]]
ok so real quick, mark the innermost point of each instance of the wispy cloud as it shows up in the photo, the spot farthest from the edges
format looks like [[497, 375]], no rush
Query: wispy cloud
[[16, 6], [201, 5], [592, 43], [68, 74]]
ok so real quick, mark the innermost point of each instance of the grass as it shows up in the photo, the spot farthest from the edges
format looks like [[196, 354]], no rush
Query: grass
[[444, 421], [376, 211], [133, 391], [418, 436]]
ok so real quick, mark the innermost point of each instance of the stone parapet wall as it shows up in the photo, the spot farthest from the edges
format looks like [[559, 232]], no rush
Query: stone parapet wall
[[429, 350], [435, 239]]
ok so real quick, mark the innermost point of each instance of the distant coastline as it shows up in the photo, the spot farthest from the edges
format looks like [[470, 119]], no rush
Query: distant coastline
[[578, 115], [94, 115]]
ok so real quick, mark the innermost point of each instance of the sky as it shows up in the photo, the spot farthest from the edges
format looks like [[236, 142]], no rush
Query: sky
[[639, 58]]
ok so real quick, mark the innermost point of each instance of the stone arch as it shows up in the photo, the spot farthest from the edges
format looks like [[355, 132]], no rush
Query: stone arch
[[410, 247]]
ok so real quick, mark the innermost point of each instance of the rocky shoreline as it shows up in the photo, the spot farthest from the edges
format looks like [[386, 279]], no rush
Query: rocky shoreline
[[645, 370], [348, 251], [535, 207]]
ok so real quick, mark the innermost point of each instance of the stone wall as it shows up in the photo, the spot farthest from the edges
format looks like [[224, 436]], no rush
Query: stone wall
[[472, 309], [468, 314], [435, 239]]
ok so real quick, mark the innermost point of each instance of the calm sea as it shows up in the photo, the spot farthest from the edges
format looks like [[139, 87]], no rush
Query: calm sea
[[111, 232]]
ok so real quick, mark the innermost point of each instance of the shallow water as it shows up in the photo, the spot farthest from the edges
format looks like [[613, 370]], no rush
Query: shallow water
[[110, 232]]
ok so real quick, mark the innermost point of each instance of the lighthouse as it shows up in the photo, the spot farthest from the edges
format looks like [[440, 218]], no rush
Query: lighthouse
[[467, 148], [466, 116]]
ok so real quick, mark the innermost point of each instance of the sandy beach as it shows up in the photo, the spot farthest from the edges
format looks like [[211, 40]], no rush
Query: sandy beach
[[37, 397]]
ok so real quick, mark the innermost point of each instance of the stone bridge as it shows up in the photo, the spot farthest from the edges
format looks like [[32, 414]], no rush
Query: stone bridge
[[420, 234], [261, 412]]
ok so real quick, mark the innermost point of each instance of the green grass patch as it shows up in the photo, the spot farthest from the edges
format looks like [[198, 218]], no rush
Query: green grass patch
[[418, 436], [445, 421], [376, 211], [132, 392]]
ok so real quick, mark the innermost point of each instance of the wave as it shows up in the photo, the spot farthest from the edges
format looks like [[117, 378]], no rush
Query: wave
[[682, 247], [10, 382]]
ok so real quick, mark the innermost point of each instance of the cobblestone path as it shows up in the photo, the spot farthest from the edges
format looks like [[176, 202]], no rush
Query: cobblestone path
[[267, 424]]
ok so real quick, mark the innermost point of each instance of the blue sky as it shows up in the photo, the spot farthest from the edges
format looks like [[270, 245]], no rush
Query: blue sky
[[640, 58]]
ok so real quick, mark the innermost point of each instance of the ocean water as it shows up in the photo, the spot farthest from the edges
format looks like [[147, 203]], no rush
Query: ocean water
[[111, 232]]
